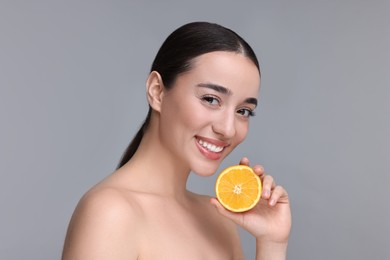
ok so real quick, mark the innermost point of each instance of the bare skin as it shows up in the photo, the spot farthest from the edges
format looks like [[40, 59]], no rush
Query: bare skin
[[144, 211], [143, 225]]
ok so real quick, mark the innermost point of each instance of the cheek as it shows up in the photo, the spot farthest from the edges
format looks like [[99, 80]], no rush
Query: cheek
[[242, 131], [184, 116], [195, 116], [199, 116]]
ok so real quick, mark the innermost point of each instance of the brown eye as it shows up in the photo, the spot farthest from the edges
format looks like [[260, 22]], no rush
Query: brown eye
[[211, 100], [246, 112]]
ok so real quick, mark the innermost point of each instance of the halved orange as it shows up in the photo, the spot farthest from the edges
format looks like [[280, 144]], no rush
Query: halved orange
[[238, 188]]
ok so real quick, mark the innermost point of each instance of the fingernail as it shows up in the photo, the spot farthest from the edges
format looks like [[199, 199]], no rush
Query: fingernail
[[272, 202], [266, 193]]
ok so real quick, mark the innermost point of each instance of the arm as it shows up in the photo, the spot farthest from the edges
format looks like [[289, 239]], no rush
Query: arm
[[266, 250], [102, 227]]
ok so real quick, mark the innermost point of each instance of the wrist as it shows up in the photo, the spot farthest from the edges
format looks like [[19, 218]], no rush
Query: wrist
[[270, 250]]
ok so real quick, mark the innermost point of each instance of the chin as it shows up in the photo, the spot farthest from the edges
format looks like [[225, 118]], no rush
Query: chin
[[206, 169]]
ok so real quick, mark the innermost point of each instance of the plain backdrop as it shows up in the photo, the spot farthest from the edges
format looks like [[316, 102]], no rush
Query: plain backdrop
[[72, 76]]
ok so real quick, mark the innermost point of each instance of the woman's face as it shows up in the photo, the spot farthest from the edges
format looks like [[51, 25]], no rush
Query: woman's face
[[206, 113]]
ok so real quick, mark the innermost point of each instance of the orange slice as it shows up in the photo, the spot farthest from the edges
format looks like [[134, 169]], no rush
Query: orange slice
[[238, 188]]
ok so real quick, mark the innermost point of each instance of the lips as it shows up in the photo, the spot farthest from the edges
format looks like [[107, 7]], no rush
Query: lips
[[211, 149]]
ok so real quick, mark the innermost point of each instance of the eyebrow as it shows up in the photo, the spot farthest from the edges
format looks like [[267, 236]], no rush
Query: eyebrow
[[225, 91], [251, 101], [215, 87]]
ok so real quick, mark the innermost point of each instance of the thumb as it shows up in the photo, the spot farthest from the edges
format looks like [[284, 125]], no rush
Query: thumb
[[236, 217]]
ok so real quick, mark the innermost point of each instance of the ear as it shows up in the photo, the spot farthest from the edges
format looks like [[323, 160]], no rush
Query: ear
[[155, 90]]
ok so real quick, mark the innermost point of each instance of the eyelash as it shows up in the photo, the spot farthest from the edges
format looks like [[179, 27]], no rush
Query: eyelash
[[210, 99], [250, 112], [243, 111]]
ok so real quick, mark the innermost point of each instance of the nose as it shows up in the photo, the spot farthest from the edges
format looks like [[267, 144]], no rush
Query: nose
[[225, 125]]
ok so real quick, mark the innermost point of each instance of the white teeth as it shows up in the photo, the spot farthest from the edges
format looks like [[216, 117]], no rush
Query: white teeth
[[210, 147]]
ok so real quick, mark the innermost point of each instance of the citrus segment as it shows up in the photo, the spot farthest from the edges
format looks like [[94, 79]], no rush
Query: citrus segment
[[238, 188]]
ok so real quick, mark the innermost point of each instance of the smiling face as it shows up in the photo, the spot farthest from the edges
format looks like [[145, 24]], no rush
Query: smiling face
[[205, 114]]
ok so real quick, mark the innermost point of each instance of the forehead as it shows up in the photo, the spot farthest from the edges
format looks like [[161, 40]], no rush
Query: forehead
[[228, 69]]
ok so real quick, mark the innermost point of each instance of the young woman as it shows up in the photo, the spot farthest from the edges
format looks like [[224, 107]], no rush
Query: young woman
[[202, 91]]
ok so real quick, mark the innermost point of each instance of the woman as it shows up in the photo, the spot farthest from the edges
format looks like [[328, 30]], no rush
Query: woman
[[201, 90]]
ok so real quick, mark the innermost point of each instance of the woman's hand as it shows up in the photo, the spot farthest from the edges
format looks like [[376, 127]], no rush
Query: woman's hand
[[270, 220]]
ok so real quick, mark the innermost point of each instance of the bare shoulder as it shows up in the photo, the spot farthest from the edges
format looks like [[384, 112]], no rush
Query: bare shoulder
[[105, 225], [112, 205]]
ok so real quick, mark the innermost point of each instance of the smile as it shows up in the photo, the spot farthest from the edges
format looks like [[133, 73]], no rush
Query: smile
[[211, 147]]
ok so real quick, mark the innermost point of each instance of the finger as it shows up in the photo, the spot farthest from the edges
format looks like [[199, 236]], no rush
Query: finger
[[259, 170], [268, 185], [277, 194], [244, 161], [235, 217]]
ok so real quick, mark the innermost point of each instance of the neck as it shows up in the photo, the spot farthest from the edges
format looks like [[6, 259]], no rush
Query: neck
[[154, 169]]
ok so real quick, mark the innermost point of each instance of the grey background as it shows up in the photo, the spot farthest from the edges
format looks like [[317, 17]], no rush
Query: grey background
[[72, 95]]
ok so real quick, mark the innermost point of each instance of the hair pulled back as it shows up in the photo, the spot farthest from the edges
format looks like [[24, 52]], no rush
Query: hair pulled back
[[176, 56]]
